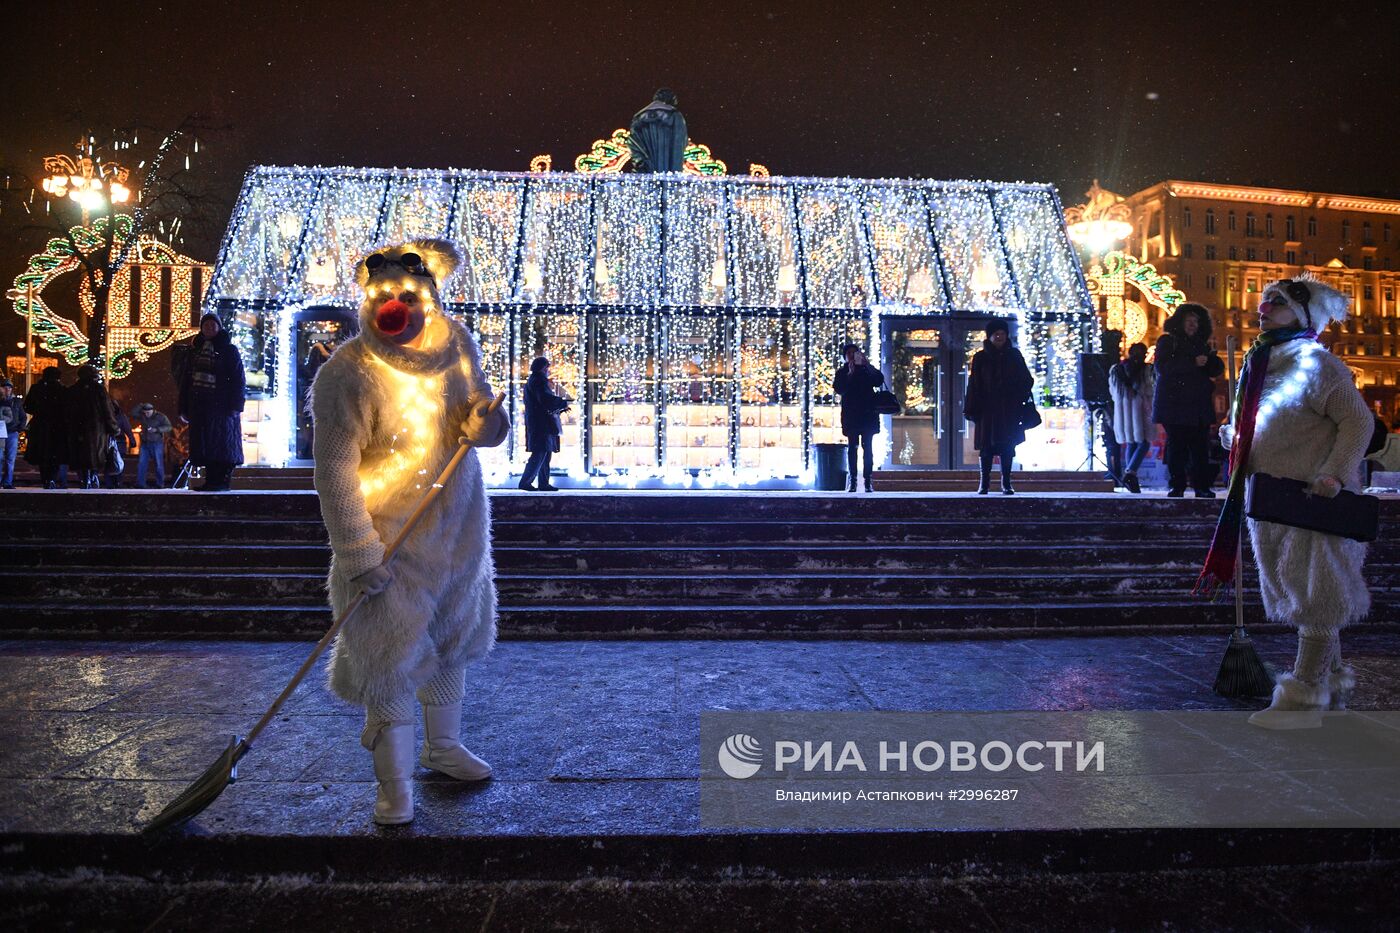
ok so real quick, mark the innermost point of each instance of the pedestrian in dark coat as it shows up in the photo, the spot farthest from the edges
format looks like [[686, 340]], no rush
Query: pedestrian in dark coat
[[46, 446], [211, 400], [1183, 402], [112, 474], [90, 425], [856, 382], [542, 427], [998, 390]]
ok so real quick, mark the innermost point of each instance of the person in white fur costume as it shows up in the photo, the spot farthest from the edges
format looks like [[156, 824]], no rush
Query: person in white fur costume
[[389, 406], [1310, 424]]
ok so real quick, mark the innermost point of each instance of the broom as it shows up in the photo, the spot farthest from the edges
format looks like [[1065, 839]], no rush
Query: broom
[[1242, 672], [206, 788]]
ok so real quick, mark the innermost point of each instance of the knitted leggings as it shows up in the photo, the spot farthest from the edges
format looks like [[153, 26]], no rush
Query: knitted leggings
[[446, 687], [1319, 653]]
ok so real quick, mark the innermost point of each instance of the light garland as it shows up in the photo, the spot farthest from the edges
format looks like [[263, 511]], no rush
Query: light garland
[[152, 264], [707, 313]]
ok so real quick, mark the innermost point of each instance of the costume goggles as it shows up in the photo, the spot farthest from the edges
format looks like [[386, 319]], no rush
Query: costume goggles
[[411, 263], [1299, 292]]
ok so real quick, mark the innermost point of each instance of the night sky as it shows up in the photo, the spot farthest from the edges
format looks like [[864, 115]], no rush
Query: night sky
[[1294, 95]]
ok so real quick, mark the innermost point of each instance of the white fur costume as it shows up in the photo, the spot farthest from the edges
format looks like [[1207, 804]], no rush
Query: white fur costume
[[387, 421], [1317, 425], [1312, 425], [1312, 422]]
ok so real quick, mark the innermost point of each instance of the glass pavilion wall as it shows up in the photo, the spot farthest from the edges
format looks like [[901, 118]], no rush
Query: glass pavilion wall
[[697, 321]]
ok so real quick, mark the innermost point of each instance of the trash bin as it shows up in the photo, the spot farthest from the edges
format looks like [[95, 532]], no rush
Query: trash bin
[[831, 466]]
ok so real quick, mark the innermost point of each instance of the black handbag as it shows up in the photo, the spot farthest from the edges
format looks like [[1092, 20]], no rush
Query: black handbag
[[886, 404], [1030, 416], [1285, 501]]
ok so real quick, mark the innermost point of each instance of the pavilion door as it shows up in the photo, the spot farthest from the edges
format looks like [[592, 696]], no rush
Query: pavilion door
[[925, 365]]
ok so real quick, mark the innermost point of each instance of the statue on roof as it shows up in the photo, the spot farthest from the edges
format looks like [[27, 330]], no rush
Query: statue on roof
[[658, 135]]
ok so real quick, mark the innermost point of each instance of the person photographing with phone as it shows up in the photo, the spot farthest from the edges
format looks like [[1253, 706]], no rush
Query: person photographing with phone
[[542, 426]]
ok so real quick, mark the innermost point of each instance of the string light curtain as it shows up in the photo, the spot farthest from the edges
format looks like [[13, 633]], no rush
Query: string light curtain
[[674, 306]]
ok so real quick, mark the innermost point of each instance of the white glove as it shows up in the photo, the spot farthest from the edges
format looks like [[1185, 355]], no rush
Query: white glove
[[1325, 486], [483, 427], [373, 581], [1227, 436]]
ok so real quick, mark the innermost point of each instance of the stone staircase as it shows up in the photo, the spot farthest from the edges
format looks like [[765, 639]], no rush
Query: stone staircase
[[641, 564]]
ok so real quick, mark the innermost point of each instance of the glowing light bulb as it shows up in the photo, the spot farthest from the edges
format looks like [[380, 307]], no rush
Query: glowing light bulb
[[787, 278], [718, 276], [534, 278], [920, 290]]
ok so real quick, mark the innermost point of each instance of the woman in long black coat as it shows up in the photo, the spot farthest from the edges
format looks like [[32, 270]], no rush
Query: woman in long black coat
[[87, 411], [1183, 402], [46, 440], [998, 388], [211, 401], [542, 427], [856, 382]]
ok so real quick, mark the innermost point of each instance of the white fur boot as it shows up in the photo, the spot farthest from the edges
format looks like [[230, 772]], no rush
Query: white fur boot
[[1299, 698], [443, 750], [1341, 681], [391, 744]]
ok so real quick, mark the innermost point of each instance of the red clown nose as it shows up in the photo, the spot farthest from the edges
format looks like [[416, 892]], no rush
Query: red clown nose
[[392, 317]]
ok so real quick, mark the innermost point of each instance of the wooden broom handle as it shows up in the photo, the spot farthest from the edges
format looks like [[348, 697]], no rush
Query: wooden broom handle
[[428, 499], [1230, 347]]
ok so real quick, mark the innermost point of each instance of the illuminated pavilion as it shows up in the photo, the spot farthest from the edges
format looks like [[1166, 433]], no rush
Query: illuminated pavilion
[[697, 318]]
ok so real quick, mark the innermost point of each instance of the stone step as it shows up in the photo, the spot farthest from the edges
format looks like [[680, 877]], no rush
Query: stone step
[[627, 875], [597, 532], [966, 480], [209, 587], [945, 619], [928, 558], [712, 506]]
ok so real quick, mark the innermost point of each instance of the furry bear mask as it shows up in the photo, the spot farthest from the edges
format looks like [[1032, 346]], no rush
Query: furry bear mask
[[1323, 303], [401, 284]]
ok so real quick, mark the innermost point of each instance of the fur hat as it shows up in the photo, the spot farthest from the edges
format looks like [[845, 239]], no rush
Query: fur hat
[[440, 258], [1322, 305], [995, 324]]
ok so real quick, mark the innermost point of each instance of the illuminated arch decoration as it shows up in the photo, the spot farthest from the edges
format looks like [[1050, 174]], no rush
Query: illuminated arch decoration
[[1108, 279], [608, 156], [164, 284]]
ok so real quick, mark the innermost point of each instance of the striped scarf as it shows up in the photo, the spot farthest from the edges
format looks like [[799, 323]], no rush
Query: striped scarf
[[1219, 569]]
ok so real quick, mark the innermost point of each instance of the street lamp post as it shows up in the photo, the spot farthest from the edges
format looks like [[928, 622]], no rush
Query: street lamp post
[[83, 179]]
